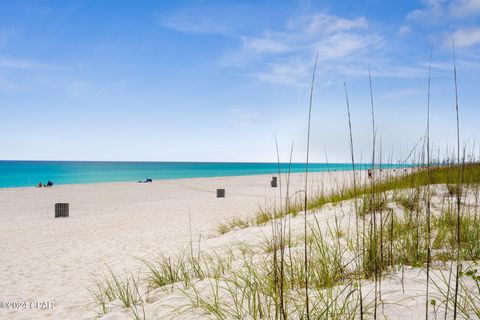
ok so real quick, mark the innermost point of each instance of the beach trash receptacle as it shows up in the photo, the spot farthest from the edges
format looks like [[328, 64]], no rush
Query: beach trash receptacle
[[61, 210], [274, 182], [220, 193]]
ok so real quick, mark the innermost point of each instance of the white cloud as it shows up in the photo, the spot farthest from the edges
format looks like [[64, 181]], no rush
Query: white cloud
[[404, 29], [433, 12], [465, 37], [186, 26], [10, 68], [341, 45], [190, 21], [266, 45], [436, 11], [462, 8], [204, 19], [337, 53], [326, 23], [291, 72], [282, 56], [286, 56]]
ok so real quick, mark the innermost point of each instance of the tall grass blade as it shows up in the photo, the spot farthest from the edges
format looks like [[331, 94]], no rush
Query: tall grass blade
[[305, 247]]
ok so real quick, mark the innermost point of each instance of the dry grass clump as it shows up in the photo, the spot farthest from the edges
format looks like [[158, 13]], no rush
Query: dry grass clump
[[115, 288], [234, 224], [454, 190], [373, 204]]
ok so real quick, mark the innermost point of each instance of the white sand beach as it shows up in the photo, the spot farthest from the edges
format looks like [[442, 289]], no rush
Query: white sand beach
[[54, 262], [111, 225]]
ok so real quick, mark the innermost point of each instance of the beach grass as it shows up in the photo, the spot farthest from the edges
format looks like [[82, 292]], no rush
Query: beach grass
[[245, 282], [442, 174]]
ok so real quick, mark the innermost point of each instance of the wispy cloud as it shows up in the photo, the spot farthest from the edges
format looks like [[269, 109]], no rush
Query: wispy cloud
[[464, 37], [283, 53], [345, 45], [280, 55], [326, 23], [284, 56], [24, 74], [436, 11], [265, 44], [184, 25], [292, 72], [404, 29], [463, 8], [432, 12], [206, 20], [441, 16]]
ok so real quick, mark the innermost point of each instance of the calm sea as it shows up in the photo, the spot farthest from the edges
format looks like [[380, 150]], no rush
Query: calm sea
[[30, 173]]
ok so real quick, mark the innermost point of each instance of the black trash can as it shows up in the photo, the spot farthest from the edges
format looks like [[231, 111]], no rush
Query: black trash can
[[220, 193], [274, 182], [61, 210]]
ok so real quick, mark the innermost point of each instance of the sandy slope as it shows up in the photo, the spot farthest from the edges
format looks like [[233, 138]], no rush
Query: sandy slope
[[55, 260], [402, 293]]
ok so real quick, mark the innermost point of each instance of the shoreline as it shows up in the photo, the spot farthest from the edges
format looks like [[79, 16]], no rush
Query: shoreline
[[56, 185]]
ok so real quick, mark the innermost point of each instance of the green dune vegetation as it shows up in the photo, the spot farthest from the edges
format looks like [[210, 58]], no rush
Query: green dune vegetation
[[438, 175]]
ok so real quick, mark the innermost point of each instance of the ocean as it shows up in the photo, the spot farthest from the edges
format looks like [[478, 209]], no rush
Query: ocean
[[30, 173]]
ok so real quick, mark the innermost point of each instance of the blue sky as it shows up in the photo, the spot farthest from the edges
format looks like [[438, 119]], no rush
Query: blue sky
[[219, 80]]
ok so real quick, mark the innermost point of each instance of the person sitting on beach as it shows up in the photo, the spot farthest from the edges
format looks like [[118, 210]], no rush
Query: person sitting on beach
[[370, 174], [40, 184], [49, 183]]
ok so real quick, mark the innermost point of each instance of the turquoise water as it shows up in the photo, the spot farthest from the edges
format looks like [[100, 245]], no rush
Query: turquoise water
[[30, 173]]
